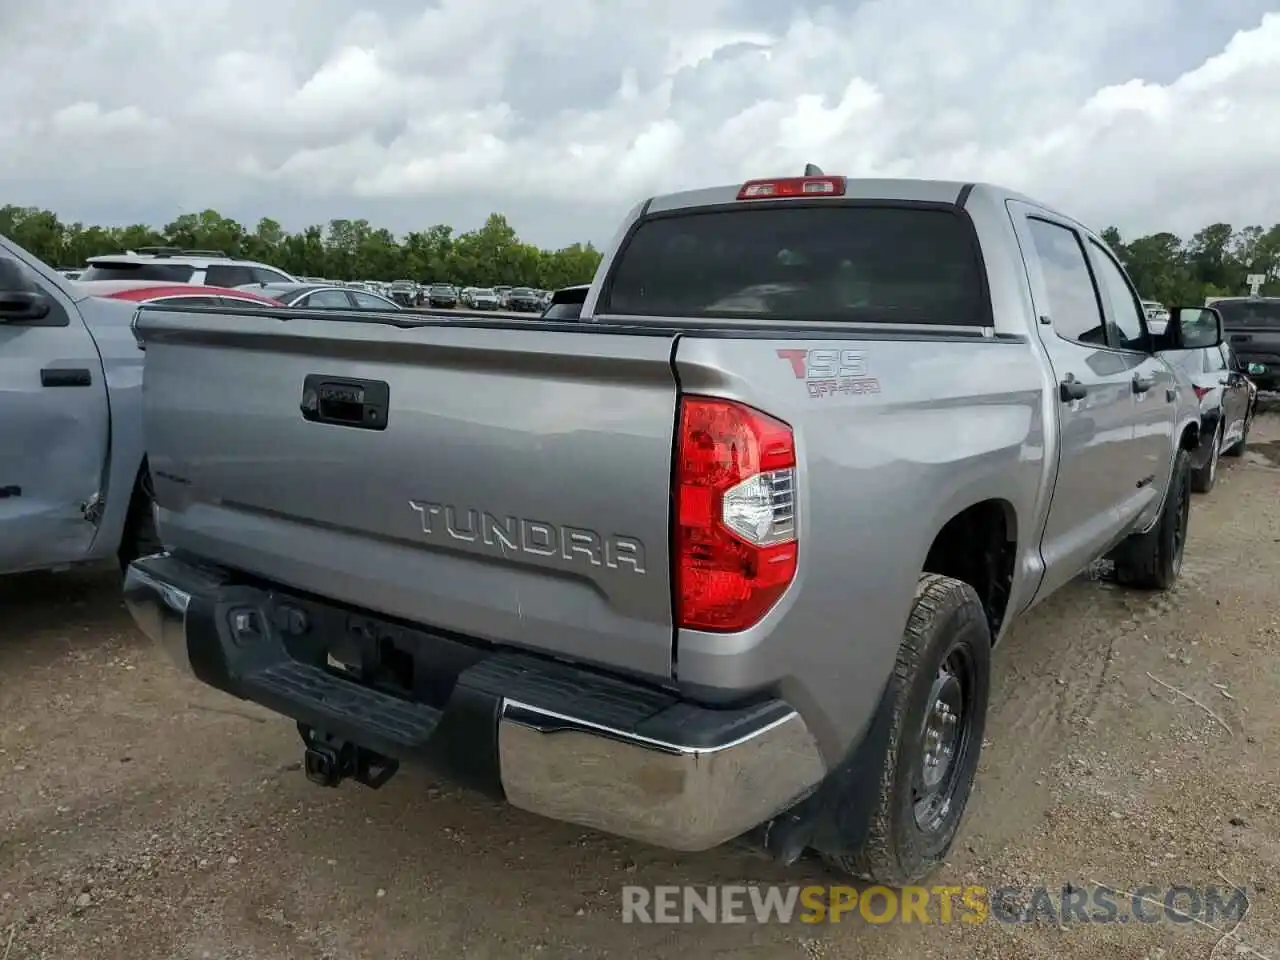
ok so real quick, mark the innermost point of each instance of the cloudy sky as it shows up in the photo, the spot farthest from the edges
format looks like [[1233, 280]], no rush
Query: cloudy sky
[[1151, 114]]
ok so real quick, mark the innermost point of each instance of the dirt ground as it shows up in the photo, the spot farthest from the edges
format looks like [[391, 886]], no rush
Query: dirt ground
[[143, 816]]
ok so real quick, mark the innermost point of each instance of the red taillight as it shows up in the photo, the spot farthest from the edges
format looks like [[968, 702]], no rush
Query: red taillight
[[735, 539], [792, 187], [1201, 392]]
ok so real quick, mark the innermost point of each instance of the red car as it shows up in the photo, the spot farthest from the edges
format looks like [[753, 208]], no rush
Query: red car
[[175, 294]]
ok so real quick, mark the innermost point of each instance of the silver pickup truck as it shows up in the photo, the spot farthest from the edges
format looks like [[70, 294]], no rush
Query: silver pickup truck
[[723, 558]]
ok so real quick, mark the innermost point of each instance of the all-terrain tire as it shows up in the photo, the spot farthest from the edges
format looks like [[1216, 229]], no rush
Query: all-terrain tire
[[1202, 480], [1153, 560], [947, 623]]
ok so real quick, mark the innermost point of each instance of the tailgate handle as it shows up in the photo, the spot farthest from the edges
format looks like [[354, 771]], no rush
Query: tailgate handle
[[345, 402]]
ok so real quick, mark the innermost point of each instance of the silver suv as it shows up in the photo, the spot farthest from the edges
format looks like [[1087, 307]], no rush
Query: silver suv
[[176, 265]]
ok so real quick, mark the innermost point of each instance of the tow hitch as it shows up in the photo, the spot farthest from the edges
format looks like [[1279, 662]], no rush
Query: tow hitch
[[328, 761]]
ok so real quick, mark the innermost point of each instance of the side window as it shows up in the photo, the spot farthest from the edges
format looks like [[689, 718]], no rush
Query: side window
[[1130, 332], [1214, 361], [227, 275], [1073, 301], [1228, 357], [263, 275], [367, 301], [25, 299], [326, 300]]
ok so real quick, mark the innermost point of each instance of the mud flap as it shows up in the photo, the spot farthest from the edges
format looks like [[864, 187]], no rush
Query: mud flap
[[834, 818]]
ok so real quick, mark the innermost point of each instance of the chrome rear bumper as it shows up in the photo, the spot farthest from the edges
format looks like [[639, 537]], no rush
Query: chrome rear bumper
[[665, 794]]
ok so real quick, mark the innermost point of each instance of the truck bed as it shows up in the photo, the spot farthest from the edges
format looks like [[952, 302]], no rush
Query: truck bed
[[504, 486]]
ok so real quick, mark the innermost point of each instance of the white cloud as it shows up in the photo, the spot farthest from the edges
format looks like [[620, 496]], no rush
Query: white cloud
[[1151, 115]]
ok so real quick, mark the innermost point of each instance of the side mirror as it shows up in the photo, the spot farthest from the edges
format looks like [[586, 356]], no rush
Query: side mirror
[[18, 306], [1193, 328], [1256, 369]]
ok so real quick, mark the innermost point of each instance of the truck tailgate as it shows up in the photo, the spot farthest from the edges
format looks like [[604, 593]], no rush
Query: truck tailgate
[[513, 487]]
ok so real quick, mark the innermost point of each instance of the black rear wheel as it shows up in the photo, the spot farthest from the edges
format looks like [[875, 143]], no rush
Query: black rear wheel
[[938, 698]]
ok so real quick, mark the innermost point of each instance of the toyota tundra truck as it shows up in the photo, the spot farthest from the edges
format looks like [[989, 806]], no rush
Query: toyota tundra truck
[[724, 558]]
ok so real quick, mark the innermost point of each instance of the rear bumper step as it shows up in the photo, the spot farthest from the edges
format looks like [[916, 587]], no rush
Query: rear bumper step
[[551, 738]]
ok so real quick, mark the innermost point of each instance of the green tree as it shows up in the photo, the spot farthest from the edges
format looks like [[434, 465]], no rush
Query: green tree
[[338, 250]]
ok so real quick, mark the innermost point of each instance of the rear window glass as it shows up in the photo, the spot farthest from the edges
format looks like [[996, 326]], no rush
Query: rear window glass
[[830, 263], [169, 272], [1249, 313]]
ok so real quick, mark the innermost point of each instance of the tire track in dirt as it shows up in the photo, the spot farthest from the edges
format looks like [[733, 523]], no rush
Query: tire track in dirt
[[1053, 673]]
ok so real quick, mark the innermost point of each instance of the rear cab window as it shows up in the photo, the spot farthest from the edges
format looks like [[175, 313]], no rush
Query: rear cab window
[[128, 270], [807, 262], [1249, 313]]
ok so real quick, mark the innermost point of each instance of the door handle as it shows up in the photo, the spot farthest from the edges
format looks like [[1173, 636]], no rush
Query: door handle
[[1071, 389], [1142, 384], [65, 377]]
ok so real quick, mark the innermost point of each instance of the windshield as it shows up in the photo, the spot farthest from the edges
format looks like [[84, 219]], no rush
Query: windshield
[[482, 292], [522, 292], [803, 262], [441, 288], [128, 270], [1249, 313]]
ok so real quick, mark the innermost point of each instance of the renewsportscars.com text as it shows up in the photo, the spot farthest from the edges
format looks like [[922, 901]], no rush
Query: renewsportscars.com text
[[774, 904]]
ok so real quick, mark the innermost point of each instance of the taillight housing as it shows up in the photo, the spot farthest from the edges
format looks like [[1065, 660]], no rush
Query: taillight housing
[[1201, 392], [735, 549]]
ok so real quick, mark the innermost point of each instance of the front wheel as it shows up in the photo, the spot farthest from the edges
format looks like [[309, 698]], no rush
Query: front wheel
[[939, 693], [1153, 560]]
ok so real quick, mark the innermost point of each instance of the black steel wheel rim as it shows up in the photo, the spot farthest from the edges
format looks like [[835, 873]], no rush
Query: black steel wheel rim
[[946, 739]]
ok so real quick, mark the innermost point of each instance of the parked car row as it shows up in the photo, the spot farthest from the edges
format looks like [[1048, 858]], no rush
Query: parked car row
[[517, 299], [212, 267]]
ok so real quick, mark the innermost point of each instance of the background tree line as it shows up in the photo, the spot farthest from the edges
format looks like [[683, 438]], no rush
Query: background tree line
[[1214, 262], [1164, 267], [342, 250]]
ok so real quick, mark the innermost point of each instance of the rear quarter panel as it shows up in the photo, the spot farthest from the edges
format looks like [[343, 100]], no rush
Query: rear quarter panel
[[947, 425]]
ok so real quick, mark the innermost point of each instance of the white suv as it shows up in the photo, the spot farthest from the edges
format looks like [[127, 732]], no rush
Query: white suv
[[175, 265]]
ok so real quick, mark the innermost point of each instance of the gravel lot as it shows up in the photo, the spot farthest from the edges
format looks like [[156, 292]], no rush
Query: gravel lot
[[143, 816]]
